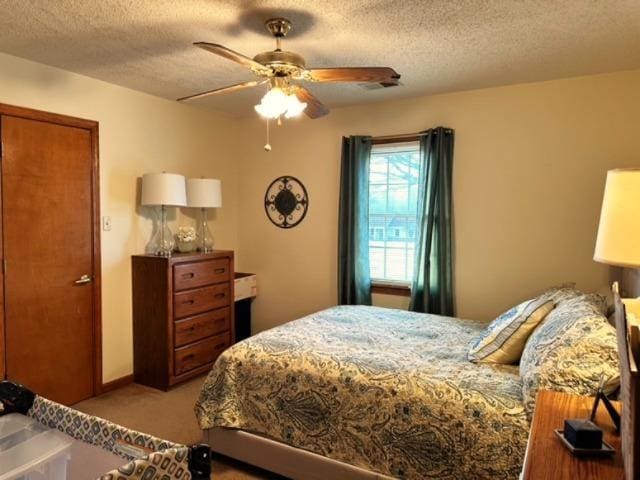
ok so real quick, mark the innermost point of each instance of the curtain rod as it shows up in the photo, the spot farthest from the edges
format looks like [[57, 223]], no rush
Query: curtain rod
[[408, 135]]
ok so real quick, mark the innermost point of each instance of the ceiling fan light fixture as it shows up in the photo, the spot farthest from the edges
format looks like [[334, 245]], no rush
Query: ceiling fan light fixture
[[294, 106], [276, 103], [273, 104]]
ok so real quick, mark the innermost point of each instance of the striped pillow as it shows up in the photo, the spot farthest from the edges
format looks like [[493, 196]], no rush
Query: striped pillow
[[504, 339]]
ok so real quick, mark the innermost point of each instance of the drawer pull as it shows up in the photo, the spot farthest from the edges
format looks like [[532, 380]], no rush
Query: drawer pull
[[220, 345], [188, 302], [188, 357], [220, 270], [220, 295], [219, 321], [186, 276]]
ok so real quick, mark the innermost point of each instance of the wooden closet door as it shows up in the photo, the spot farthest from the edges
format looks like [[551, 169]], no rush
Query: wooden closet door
[[48, 247]]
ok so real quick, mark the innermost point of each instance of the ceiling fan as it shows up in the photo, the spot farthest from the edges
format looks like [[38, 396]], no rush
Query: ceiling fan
[[282, 69]]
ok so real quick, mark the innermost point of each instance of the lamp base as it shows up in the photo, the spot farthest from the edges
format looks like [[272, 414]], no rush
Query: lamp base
[[205, 238], [162, 242]]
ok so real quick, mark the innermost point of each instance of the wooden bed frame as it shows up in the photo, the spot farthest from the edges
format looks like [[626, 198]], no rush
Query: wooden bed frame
[[629, 389], [281, 458]]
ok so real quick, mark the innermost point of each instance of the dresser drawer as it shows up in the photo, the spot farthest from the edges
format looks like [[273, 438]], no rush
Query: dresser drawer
[[200, 300], [198, 354], [198, 274], [192, 329]]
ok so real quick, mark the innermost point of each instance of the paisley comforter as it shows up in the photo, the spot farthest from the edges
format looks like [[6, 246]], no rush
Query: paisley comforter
[[386, 390]]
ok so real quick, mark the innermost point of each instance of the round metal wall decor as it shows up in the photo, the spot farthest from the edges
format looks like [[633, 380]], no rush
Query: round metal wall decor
[[286, 202]]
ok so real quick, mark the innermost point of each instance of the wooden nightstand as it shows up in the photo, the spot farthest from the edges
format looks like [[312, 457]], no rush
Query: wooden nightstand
[[547, 457]]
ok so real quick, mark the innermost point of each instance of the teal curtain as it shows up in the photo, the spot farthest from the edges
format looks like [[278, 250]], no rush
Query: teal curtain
[[432, 286], [354, 282]]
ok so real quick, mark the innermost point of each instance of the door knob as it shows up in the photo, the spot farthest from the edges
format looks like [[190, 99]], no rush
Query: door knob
[[83, 279]]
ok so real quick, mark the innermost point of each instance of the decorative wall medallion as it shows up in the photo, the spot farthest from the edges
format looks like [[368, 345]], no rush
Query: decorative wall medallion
[[286, 202]]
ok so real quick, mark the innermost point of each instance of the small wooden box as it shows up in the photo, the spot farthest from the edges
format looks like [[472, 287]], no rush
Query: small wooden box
[[246, 286], [582, 433]]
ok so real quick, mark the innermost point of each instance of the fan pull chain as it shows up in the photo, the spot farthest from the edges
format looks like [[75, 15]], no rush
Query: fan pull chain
[[267, 146]]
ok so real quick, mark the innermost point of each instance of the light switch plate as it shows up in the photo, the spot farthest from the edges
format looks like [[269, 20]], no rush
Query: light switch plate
[[106, 223]]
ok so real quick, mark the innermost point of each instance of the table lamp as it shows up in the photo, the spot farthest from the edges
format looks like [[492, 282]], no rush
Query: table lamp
[[204, 193], [619, 229], [618, 241], [164, 190]]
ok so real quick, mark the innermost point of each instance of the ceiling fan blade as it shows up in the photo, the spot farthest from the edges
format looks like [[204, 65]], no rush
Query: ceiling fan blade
[[355, 74], [233, 56], [315, 108], [229, 89]]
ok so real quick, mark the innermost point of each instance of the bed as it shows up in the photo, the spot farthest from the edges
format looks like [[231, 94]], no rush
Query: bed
[[366, 392]]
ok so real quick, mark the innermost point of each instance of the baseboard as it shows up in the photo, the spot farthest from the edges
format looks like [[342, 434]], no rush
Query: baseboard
[[117, 383]]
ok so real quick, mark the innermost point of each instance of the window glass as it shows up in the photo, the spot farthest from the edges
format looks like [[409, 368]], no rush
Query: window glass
[[393, 193]]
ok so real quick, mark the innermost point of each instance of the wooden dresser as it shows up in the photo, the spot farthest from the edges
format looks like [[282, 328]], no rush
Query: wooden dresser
[[547, 458], [182, 315]]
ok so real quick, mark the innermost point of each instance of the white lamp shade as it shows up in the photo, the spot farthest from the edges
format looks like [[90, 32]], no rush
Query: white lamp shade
[[204, 193], [618, 241], [163, 189]]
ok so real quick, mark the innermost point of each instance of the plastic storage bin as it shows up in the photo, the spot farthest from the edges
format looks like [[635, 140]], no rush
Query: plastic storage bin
[[43, 440], [31, 451]]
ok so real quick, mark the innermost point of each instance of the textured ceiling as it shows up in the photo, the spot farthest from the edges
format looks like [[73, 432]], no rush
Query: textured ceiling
[[437, 45]]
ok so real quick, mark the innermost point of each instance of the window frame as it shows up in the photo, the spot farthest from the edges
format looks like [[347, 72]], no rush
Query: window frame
[[384, 286]]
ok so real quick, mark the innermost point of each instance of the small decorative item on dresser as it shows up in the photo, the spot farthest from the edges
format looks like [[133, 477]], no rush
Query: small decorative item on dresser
[[584, 438], [204, 193], [186, 239]]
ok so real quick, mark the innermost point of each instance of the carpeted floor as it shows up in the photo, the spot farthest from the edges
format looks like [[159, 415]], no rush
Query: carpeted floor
[[167, 415]]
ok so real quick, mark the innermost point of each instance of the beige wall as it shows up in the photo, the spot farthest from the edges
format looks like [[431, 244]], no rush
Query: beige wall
[[529, 170], [528, 176], [138, 133]]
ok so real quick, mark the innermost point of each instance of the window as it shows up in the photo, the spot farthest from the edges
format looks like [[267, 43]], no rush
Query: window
[[376, 233], [393, 194]]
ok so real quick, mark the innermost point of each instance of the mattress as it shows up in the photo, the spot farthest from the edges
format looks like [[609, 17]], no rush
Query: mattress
[[385, 390]]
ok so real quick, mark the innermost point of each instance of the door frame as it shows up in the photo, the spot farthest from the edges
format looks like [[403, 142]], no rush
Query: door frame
[[92, 127]]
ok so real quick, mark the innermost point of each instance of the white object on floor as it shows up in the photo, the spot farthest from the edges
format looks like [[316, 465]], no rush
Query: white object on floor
[[30, 450]]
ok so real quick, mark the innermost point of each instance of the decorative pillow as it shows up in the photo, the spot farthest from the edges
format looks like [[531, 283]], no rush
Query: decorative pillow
[[504, 339], [570, 351], [561, 293]]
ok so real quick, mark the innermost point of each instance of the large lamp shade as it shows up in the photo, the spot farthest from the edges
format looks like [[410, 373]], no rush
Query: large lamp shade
[[204, 193], [163, 189], [618, 241]]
